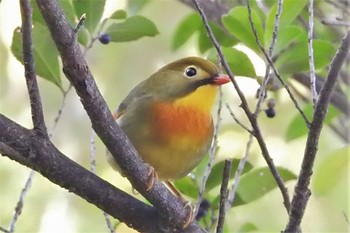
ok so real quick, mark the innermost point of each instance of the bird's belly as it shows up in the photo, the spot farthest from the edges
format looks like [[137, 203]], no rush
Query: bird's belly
[[180, 139]]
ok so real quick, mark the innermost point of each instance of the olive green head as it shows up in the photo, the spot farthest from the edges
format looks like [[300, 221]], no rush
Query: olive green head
[[182, 77]]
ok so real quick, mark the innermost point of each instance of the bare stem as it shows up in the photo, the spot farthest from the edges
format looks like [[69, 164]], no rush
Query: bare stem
[[271, 47], [301, 191], [238, 173], [212, 153], [270, 62], [29, 67], [223, 195], [20, 203], [310, 33], [244, 104], [237, 120]]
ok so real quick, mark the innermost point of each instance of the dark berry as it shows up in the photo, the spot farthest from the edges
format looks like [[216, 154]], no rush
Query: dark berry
[[105, 38], [270, 112], [203, 209]]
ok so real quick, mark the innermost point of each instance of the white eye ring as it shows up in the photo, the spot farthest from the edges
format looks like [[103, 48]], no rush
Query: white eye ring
[[191, 71]]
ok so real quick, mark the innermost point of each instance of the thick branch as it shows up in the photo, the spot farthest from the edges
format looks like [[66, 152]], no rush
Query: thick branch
[[40, 154], [301, 192], [78, 73], [214, 9]]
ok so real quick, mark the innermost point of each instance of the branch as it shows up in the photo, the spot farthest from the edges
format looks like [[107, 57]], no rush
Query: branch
[[28, 61], [212, 153], [38, 153], [214, 9], [244, 105], [103, 123], [223, 195], [301, 191], [338, 98], [270, 62], [310, 33]]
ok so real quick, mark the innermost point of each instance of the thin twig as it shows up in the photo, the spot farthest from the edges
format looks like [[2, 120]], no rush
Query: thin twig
[[80, 23], [310, 33], [276, 26], [93, 170], [28, 62], [33, 90], [223, 195], [212, 153], [267, 157], [238, 173], [237, 120], [261, 98], [245, 107], [94, 39], [262, 91], [19, 206], [301, 191], [60, 110], [267, 57]]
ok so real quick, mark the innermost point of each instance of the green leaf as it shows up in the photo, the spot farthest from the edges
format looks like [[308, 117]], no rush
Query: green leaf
[[119, 14], [290, 10], [204, 43], [131, 29], [237, 23], [93, 10], [186, 28], [44, 52], [187, 186], [331, 171], [248, 227], [296, 58], [238, 61], [83, 36], [215, 175], [297, 128], [237, 201], [289, 35], [259, 182]]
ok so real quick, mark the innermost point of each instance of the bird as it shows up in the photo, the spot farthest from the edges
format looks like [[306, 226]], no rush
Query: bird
[[167, 117]]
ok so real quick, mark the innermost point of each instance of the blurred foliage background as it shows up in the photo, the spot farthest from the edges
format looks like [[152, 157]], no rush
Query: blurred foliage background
[[117, 67]]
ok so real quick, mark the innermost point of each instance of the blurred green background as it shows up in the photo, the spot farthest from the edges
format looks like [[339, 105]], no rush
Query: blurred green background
[[117, 67]]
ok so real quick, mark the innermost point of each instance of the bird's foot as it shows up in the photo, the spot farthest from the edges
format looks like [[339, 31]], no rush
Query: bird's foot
[[190, 216], [152, 176]]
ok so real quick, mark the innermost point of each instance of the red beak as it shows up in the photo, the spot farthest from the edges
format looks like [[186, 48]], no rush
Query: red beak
[[221, 79]]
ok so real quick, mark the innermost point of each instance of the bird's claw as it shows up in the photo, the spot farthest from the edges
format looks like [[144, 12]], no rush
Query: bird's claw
[[190, 216], [152, 176]]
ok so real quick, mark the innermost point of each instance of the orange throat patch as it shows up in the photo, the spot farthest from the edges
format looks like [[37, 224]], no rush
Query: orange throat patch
[[176, 121], [187, 120]]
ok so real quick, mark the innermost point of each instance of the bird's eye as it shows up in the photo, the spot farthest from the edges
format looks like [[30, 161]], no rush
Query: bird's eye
[[190, 71]]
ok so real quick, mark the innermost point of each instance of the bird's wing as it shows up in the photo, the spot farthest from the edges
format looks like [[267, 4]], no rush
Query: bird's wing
[[136, 95]]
